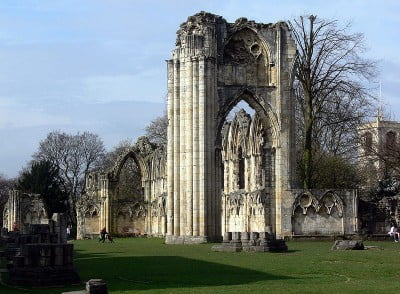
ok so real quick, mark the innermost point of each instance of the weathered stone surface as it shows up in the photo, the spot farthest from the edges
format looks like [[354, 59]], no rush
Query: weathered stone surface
[[227, 237], [38, 264], [348, 245], [96, 286], [251, 242], [185, 240]]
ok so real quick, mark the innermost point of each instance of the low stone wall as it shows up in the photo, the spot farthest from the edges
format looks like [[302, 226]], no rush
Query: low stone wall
[[319, 212]]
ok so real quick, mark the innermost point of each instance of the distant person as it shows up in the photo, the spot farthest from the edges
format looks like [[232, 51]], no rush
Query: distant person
[[103, 234], [394, 232], [15, 227], [68, 232]]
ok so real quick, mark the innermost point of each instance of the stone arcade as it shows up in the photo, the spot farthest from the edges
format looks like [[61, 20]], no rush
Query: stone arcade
[[219, 176]]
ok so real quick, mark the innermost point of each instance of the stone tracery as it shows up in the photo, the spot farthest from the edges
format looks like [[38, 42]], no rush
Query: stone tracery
[[243, 143], [322, 214]]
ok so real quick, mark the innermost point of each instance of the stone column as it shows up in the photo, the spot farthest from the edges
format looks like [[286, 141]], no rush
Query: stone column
[[176, 149], [214, 213], [14, 210], [182, 151], [189, 147], [202, 110], [105, 196], [195, 138], [278, 163]]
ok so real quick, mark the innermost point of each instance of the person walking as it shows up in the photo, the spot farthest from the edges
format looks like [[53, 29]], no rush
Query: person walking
[[103, 233], [394, 232], [68, 232]]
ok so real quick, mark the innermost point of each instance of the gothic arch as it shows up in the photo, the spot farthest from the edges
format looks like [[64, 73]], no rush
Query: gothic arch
[[237, 133], [92, 210], [255, 132], [130, 153], [304, 201], [330, 200], [367, 142], [266, 115], [390, 141]]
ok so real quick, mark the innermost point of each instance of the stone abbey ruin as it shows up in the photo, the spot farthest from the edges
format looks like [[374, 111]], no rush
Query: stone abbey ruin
[[217, 177]]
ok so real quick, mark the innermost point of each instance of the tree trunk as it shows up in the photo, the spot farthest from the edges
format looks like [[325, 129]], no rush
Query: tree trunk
[[308, 124]]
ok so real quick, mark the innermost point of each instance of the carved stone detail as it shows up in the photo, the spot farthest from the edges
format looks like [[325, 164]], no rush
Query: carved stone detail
[[328, 201]]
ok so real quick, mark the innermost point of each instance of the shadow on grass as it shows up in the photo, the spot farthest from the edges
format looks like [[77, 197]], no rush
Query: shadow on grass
[[162, 272]]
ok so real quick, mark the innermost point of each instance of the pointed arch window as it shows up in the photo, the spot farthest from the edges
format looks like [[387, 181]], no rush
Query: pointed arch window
[[390, 142], [367, 143]]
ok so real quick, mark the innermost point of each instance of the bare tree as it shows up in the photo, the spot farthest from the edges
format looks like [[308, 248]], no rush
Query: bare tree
[[331, 87], [5, 185], [74, 156], [156, 131]]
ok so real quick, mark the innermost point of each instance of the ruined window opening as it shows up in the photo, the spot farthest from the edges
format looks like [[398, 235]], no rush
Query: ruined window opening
[[390, 142], [240, 105], [368, 143], [129, 181]]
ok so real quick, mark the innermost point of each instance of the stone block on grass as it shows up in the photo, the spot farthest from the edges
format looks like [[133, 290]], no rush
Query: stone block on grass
[[348, 245]]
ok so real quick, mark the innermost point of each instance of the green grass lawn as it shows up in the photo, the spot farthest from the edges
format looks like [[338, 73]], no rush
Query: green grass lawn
[[148, 265]]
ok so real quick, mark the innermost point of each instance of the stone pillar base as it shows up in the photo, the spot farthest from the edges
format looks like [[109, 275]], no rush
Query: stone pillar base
[[278, 245], [250, 241], [170, 239]]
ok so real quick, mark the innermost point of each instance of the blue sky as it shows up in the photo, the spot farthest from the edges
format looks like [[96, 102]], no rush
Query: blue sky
[[99, 66]]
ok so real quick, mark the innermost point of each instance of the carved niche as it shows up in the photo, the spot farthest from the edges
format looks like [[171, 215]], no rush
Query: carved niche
[[328, 201]]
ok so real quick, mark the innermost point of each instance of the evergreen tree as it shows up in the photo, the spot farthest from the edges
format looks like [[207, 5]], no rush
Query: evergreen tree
[[43, 178]]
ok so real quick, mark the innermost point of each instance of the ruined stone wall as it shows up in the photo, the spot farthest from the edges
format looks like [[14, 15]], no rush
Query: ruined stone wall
[[320, 212], [22, 208], [215, 65], [122, 214]]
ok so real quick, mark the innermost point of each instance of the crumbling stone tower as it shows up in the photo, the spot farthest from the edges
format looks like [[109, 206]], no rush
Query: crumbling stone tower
[[214, 66]]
